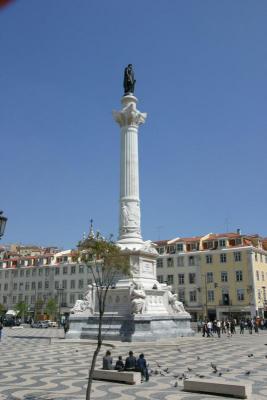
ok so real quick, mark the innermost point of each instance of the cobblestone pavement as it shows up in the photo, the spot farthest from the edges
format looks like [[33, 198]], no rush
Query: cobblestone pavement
[[33, 367]]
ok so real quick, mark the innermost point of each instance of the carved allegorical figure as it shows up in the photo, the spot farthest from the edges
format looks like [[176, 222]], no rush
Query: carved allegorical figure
[[176, 305], [138, 298], [87, 304]]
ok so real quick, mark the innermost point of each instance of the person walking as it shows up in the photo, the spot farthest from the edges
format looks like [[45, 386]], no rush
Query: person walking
[[242, 327], [219, 328], [209, 326], [1, 329], [141, 366]]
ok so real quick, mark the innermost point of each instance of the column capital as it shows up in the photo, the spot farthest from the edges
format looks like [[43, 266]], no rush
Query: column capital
[[129, 115]]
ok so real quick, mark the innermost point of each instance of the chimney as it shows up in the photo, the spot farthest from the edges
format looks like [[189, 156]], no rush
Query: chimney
[[238, 231]]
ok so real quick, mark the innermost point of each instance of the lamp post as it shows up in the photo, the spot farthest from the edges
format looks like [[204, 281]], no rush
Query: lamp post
[[3, 221], [60, 291]]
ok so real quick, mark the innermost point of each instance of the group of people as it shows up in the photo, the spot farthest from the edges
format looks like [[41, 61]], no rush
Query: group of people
[[131, 364], [228, 327]]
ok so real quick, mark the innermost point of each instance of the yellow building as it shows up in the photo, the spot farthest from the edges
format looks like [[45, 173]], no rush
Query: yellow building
[[217, 275]]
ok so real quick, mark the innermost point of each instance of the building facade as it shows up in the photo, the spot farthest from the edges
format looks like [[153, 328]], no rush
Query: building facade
[[217, 275]]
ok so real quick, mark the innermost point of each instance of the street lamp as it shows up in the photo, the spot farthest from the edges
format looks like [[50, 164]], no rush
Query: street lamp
[[60, 291], [3, 221]]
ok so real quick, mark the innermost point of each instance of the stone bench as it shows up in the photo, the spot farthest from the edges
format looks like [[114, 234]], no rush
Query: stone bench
[[129, 377], [238, 389]]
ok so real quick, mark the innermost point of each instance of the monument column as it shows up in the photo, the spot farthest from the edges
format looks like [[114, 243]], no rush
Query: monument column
[[129, 119]]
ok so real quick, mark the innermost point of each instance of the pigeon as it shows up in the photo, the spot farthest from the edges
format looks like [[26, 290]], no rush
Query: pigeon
[[266, 356], [214, 367], [250, 355], [166, 370], [180, 351], [198, 358], [189, 369], [175, 384], [247, 373]]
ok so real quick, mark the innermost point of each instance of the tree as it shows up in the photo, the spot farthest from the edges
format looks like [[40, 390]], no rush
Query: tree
[[106, 261], [22, 308], [2, 309], [51, 308], [38, 308]]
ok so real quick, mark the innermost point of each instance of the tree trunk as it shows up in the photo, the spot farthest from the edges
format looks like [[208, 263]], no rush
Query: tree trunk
[[96, 352]]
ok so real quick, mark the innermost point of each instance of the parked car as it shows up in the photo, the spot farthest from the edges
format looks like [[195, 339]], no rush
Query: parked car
[[39, 324]]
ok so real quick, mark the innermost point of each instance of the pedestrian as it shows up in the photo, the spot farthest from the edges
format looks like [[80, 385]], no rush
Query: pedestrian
[[219, 328], [250, 325], [228, 328], [130, 362], [119, 364], [107, 360], [141, 366], [223, 326], [209, 326], [204, 329], [242, 327], [1, 328]]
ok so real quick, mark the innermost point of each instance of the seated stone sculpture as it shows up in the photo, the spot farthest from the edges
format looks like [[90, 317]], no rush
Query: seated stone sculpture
[[138, 296]]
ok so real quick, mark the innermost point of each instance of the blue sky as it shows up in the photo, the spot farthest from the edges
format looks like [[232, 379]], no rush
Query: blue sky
[[201, 70]]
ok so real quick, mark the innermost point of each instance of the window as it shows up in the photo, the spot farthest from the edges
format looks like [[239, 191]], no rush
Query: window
[[81, 269], [6, 274], [40, 284], [192, 278], [72, 299], [27, 285], [57, 270], [237, 256], [262, 275], [80, 296], [46, 271], [223, 258], [264, 293], [209, 259], [21, 286], [180, 261], [160, 278], [65, 270], [181, 279], [33, 285], [193, 296], [240, 294], [56, 284], [222, 243], [170, 279], [14, 299], [6, 286], [40, 272], [4, 299], [20, 297], [16, 273], [257, 275], [159, 263], [46, 285], [180, 247], [209, 245], [239, 276], [28, 272], [209, 277], [73, 269], [259, 294], [181, 295], [15, 286], [32, 299], [21, 272], [64, 284], [238, 241], [191, 260], [171, 249], [224, 277], [26, 299], [170, 262], [80, 284], [72, 284], [161, 250], [34, 272], [210, 295]]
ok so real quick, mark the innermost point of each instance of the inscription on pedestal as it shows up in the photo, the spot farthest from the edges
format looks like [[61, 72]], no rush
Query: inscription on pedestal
[[147, 269]]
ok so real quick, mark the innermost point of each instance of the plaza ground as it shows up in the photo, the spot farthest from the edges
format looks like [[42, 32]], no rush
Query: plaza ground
[[40, 364]]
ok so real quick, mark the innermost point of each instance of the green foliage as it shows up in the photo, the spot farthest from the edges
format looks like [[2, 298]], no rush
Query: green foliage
[[22, 308], [2, 309], [51, 308]]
